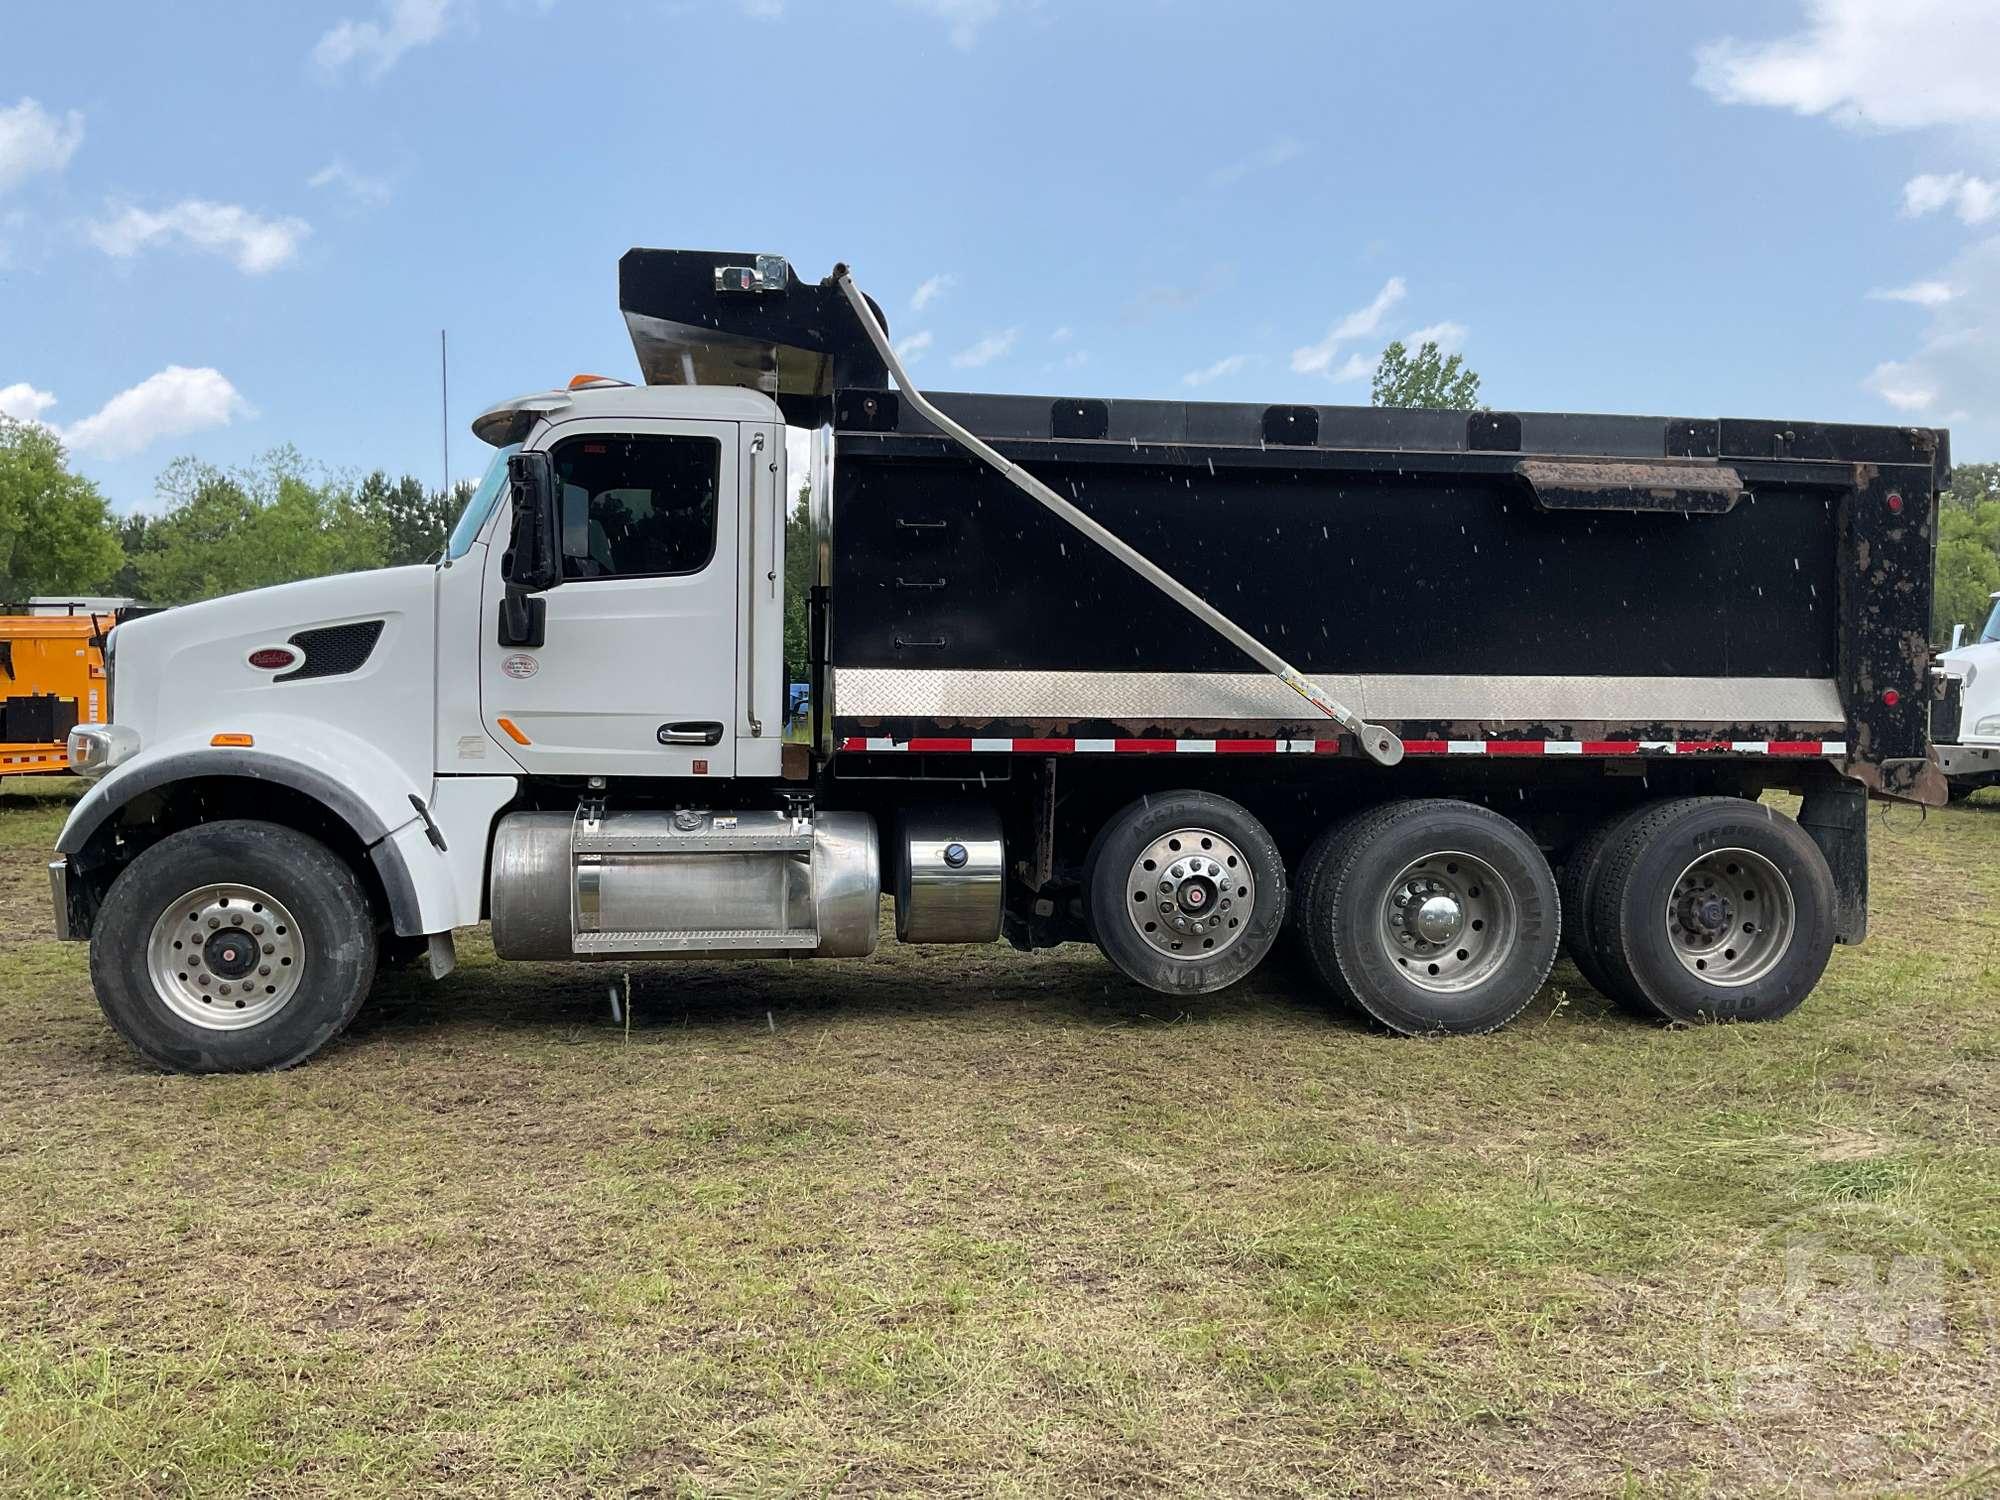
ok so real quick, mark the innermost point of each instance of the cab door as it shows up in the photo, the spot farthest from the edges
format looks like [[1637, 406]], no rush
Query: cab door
[[636, 673]]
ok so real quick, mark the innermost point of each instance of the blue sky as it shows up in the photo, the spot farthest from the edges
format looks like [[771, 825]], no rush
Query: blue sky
[[228, 226]]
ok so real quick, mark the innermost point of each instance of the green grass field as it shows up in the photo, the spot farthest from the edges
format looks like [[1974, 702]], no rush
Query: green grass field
[[964, 1222]]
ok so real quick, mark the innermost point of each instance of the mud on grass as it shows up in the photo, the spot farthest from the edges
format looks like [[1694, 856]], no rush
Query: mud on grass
[[968, 1222]]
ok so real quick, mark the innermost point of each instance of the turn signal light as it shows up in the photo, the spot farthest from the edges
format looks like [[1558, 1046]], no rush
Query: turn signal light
[[238, 740]]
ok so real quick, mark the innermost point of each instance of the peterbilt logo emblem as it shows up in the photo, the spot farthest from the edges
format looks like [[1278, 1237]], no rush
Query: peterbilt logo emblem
[[519, 666]]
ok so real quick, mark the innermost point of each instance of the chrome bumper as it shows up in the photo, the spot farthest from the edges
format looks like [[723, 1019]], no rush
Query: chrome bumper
[[59, 893]]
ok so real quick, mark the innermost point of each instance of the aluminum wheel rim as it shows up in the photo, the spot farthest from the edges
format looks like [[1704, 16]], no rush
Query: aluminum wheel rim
[[1730, 917], [226, 956], [1449, 921], [1190, 894]]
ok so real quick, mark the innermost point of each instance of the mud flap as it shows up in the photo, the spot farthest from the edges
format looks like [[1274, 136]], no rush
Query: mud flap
[[1835, 815]]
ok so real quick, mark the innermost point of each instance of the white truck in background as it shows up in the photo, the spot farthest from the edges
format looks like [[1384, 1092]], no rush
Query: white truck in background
[[1973, 760]]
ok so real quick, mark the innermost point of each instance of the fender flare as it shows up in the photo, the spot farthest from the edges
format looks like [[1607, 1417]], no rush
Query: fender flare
[[105, 800]]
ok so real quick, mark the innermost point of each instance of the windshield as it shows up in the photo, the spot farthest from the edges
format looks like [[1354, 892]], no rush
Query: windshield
[[1992, 630], [480, 506]]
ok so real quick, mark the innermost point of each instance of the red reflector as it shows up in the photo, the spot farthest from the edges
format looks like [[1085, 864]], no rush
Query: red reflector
[[270, 658]]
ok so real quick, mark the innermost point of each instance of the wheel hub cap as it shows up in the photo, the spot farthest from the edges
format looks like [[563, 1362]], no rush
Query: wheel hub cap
[[1437, 919], [1191, 893], [226, 956]]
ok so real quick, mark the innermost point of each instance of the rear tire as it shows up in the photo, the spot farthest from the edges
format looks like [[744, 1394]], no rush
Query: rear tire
[[1186, 892], [1713, 909], [1577, 886], [1431, 916], [233, 947]]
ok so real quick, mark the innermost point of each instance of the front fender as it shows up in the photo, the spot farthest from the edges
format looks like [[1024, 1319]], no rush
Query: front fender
[[355, 782]]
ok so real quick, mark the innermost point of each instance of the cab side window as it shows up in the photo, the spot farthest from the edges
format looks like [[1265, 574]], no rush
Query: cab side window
[[637, 507]]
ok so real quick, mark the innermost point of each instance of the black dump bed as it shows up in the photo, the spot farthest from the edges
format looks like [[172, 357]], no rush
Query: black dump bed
[[1492, 583]]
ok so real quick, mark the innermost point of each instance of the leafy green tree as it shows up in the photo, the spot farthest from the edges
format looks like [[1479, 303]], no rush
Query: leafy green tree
[[1968, 565], [1426, 378], [56, 534], [799, 573], [414, 521], [1971, 484], [225, 531]]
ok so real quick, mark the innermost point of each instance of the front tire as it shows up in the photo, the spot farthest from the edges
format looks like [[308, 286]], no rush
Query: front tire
[[1186, 892], [233, 947]]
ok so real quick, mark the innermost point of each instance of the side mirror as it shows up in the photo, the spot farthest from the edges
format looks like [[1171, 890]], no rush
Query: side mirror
[[533, 561], [1957, 636]]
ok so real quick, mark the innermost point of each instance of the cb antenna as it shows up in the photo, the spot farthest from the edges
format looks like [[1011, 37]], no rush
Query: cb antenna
[[444, 411]]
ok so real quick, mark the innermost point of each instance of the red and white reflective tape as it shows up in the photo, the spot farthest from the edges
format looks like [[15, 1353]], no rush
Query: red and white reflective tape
[[974, 746]]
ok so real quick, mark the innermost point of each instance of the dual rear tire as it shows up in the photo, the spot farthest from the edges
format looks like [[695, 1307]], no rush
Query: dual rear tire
[[1701, 909]]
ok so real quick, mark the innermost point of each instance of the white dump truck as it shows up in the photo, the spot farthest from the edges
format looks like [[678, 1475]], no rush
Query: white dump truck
[[1970, 756], [1440, 691]]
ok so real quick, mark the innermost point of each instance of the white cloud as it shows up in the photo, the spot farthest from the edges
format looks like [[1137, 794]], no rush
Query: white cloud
[[1222, 369], [1881, 64], [1448, 336], [1275, 155], [1922, 293], [1956, 366], [1062, 335], [762, 10], [1901, 385], [1317, 359], [33, 140], [909, 350], [1973, 199], [254, 243], [931, 290], [361, 187], [964, 17], [377, 46], [993, 346], [172, 403], [23, 402], [1356, 366]]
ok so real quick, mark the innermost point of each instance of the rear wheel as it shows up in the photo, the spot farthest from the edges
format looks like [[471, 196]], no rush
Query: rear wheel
[[233, 947], [1186, 892], [1431, 916], [1714, 909], [1577, 886]]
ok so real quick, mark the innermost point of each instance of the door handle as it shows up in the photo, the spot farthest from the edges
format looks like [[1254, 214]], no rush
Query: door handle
[[693, 732]]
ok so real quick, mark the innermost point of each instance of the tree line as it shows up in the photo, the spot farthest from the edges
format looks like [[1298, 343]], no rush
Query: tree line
[[216, 531]]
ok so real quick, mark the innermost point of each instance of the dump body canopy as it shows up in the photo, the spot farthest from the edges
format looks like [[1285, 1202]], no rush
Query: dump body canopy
[[795, 342]]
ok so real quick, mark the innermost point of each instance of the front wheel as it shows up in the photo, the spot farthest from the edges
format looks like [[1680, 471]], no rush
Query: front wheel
[[233, 947]]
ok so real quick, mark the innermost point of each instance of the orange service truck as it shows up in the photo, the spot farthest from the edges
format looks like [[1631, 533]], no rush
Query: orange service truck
[[52, 678]]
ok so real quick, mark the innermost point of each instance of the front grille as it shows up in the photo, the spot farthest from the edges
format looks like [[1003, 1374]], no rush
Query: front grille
[[333, 650]]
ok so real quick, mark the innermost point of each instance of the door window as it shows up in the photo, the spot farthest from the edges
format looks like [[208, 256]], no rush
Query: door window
[[637, 507]]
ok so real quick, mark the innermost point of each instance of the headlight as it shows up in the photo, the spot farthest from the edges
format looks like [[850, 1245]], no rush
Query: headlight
[[96, 748]]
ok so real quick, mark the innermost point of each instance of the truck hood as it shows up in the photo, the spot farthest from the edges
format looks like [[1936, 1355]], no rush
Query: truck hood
[[203, 650]]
